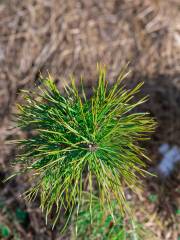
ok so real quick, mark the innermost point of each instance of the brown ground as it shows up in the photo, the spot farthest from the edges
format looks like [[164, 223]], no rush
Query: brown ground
[[71, 36]]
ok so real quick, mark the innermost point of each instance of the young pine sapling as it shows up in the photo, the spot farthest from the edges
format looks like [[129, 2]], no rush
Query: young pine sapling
[[82, 145]]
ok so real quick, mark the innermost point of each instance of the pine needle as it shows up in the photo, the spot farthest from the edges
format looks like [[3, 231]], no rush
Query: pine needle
[[77, 138]]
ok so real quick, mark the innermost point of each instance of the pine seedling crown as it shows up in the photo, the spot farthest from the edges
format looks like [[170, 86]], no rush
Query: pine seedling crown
[[82, 145]]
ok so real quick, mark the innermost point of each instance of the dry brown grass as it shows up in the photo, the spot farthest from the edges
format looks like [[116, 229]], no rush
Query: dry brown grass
[[71, 36]]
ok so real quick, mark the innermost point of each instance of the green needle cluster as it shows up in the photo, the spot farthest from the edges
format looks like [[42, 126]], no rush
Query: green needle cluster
[[82, 145]]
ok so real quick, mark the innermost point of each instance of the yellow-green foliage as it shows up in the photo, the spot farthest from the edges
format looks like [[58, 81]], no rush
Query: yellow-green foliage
[[82, 145]]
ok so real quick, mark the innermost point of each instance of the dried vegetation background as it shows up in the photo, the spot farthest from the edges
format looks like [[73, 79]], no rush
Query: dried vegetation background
[[71, 36]]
